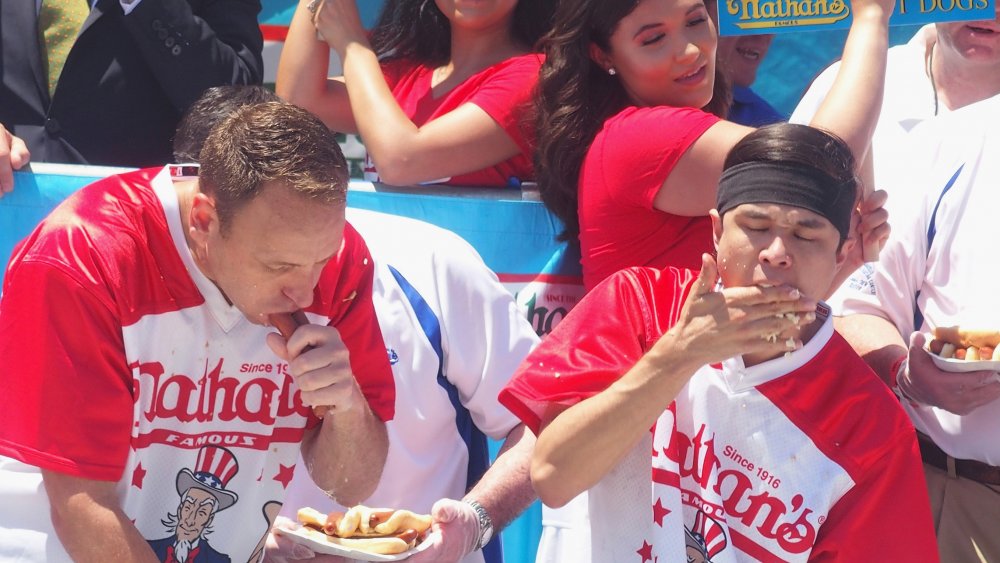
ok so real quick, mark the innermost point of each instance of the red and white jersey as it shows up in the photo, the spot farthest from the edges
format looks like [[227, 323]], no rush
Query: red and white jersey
[[805, 457], [135, 369], [454, 337]]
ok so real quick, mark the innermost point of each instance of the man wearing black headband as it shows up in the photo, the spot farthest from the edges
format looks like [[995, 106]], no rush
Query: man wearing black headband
[[758, 415]]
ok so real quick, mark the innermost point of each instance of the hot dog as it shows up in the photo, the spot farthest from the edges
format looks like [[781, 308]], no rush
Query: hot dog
[[373, 530], [966, 344], [286, 323]]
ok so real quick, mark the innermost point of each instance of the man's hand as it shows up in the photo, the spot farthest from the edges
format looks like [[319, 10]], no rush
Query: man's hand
[[869, 233], [13, 155], [280, 549], [454, 533], [323, 372], [717, 325], [959, 393]]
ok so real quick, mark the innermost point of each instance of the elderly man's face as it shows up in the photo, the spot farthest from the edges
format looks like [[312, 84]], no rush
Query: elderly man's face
[[194, 514], [772, 244], [977, 42]]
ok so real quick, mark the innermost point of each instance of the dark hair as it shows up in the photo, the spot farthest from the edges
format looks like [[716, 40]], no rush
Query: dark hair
[[272, 142], [214, 105], [417, 30], [575, 96], [806, 146]]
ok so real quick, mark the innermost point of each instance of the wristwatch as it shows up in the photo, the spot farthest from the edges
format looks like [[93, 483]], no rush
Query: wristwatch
[[485, 524]]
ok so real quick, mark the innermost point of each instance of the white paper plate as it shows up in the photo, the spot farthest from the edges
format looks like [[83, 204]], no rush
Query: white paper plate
[[961, 366], [316, 541]]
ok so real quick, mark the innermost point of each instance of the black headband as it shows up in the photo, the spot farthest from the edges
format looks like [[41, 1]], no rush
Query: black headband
[[788, 184]]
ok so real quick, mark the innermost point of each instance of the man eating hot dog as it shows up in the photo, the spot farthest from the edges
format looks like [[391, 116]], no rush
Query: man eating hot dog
[[135, 369], [717, 412], [448, 367]]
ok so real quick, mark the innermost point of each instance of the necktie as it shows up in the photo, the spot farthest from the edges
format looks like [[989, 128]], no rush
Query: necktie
[[59, 22]]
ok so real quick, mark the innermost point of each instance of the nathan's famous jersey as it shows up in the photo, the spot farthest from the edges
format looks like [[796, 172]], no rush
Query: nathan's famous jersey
[[804, 457], [132, 367]]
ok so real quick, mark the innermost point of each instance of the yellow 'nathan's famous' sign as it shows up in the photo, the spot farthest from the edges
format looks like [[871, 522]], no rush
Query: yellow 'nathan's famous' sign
[[741, 17]]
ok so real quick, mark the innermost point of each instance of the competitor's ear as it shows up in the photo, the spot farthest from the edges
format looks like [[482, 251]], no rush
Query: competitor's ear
[[203, 218], [716, 228]]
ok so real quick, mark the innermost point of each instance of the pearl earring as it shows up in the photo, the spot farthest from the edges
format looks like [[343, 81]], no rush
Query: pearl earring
[[612, 71]]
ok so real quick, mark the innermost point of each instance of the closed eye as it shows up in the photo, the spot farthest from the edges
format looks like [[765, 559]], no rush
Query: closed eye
[[653, 39]]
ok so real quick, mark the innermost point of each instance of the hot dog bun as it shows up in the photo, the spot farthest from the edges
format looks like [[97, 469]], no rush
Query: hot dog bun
[[373, 530], [384, 546], [967, 337]]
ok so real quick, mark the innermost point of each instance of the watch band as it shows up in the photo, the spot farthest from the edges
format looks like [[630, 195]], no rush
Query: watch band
[[485, 524]]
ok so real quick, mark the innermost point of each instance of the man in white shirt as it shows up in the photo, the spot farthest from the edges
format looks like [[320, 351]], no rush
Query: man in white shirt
[[933, 273], [944, 66]]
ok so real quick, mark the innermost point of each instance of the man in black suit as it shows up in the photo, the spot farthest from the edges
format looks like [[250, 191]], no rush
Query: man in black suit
[[133, 70]]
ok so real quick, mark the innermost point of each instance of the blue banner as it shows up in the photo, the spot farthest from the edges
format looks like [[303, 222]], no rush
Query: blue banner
[[749, 17]]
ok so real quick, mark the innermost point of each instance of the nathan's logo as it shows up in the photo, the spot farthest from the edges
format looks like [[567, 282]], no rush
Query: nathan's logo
[[213, 396], [788, 524], [765, 14]]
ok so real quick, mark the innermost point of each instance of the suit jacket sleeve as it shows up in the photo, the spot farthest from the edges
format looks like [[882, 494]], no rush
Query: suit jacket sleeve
[[192, 45]]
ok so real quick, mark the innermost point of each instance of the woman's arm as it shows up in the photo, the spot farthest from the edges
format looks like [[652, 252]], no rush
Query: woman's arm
[[850, 111], [462, 141], [302, 76]]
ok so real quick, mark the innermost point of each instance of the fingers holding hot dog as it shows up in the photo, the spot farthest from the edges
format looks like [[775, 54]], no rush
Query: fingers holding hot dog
[[718, 324], [319, 362]]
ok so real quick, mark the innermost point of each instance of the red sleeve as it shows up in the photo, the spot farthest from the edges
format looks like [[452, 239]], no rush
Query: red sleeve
[[393, 70], [66, 403], [639, 148], [600, 339], [886, 513], [507, 97], [345, 296]]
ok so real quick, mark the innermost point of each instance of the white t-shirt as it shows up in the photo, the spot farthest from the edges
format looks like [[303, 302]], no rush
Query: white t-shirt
[[955, 167], [454, 336], [907, 101], [136, 370]]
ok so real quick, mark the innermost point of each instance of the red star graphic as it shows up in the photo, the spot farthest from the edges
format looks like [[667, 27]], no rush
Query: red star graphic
[[659, 511], [646, 552], [138, 475], [284, 475]]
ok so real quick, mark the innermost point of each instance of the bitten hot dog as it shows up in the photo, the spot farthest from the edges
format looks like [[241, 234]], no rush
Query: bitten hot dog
[[966, 344], [286, 323], [373, 530]]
